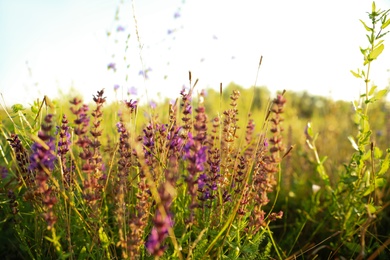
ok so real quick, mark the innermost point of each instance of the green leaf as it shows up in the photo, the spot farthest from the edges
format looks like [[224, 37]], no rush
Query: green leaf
[[350, 179], [378, 43], [370, 189], [376, 52], [372, 90], [365, 26], [373, 7], [385, 165], [355, 74], [17, 107], [381, 93], [377, 152], [371, 208], [380, 182], [309, 130]]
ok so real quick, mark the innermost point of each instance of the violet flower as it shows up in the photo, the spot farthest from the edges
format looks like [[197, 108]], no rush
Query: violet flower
[[132, 91], [153, 104], [111, 66], [159, 233], [43, 158], [42, 161]]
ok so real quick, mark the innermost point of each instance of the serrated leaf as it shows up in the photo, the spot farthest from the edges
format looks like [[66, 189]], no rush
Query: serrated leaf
[[376, 52], [355, 74], [365, 26]]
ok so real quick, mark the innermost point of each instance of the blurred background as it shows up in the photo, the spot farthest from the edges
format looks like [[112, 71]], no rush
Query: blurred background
[[146, 48]]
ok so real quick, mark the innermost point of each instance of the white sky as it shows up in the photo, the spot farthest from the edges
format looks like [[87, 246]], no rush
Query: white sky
[[306, 44]]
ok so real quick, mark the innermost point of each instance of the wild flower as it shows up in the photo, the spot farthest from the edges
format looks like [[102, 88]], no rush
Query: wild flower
[[139, 220], [120, 28], [153, 104], [124, 164], [176, 15], [159, 233], [187, 109], [111, 66], [116, 87], [94, 165], [229, 135], [132, 91], [196, 156], [145, 73], [63, 149], [43, 156], [22, 158], [42, 161], [277, 129]]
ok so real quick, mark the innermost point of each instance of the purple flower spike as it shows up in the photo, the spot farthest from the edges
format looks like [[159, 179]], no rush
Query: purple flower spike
[[41, 157], [159, 233]]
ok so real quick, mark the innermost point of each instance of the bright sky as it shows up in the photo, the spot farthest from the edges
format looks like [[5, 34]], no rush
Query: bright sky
[[47, 46]]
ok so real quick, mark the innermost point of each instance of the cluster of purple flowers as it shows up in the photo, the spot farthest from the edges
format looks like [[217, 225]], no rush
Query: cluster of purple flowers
[[43, 156], [42, 162]]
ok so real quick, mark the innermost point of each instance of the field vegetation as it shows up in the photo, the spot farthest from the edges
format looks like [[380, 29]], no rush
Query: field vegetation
[[211, 175]]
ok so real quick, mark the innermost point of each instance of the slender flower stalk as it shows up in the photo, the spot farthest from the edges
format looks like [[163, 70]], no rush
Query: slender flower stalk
[[42, 162], [163, 221], [62, 151], [229, 131], [124, 164], [186, 110], [96, 160], [26, 175]]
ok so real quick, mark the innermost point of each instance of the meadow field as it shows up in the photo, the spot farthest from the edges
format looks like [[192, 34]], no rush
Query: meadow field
[[231, 174]]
